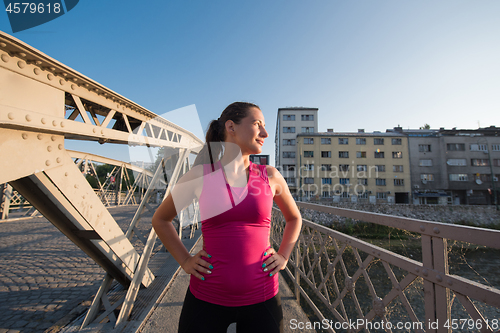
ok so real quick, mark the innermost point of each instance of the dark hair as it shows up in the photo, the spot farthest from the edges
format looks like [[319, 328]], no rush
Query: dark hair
[[216, 134]]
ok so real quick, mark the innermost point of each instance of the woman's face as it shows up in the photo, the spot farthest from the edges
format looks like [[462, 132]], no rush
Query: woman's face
[[250, 133]]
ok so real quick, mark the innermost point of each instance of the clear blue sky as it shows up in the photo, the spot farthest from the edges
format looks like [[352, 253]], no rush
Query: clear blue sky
[[371, 64]]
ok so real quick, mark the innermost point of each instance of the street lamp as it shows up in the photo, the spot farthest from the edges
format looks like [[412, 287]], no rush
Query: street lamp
[[492, 175]]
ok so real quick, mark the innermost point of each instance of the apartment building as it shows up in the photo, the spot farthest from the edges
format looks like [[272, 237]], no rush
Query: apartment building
[[454, 166], [357, 167], [292, 121]]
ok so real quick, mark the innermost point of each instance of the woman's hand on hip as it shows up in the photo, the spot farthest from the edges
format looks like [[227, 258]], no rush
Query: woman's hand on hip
[[275, 263], [196, 266]]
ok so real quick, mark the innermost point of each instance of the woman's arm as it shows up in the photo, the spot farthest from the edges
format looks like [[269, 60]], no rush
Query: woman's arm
[[283, 198], [182, 195]]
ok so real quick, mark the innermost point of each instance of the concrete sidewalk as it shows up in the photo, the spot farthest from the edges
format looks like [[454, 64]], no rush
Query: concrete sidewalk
[[166, 315]]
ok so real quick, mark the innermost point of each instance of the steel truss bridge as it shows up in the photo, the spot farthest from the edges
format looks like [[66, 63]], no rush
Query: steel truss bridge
[[43, 103]]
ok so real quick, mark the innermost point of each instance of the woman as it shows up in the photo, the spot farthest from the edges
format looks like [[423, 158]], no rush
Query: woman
[[234, 278]]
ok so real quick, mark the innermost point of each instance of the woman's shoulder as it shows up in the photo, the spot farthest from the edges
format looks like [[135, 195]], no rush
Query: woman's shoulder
[[273, 174]]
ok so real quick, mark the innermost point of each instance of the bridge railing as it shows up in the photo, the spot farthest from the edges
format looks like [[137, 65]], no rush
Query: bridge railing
[[351, 285]]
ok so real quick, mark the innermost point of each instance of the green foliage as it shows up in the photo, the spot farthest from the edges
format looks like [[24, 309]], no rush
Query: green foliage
[[371, 230]]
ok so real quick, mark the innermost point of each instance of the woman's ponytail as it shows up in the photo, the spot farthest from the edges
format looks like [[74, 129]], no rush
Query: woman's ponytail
[[215, 137]]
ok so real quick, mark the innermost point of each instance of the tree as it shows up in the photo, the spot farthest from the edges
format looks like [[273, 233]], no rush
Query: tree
[[426, 126]]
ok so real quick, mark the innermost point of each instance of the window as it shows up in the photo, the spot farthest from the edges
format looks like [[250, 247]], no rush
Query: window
[[326, 167], [362, 181], [397, 168], [380, 168], [495, 147], [378, 141], [326, 181], [326, 194], [307, 129], [343, 154], [288, 167], [288, 142], [288, 154], [326, 154], [363, 195], [360, 141], [309, 167], [427, 177], [344, 195], [424, 148], [380, 181], [288, 117], [326, 141], [344, 167], [457, 162], [343, 141], [344, 181], [399, 182], [379, 154], [479, 162], [308, 141], [308, 153], [397, 154], [290, 180], [455, 147], [306, 117], [425, 163], [308, 180], [458, 177], [361, 154], [478, 147], [381, 195], [496, 162], [396, 141], [361, 167], [288, 129]]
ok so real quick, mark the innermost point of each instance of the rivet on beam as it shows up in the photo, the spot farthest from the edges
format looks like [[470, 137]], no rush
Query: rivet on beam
[[47, 162], [37, 71], [422, 228], [62, 82], [53, 138], [28, 117], [39, 136], [11, 116], [424, 272], [60, 146], [49, 149], [54, 123], [5, 58], [439, 278], [66, 174], [436, 230], [22, 54], [63, 124], [76, 185], [58, 160], [73, 87], [38, 62], [449, 282], [25, 136], [44, 121], [50, 76], [21, 64], [3, 45]]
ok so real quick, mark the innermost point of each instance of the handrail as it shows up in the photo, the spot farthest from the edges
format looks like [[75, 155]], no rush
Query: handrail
[[319, 264]]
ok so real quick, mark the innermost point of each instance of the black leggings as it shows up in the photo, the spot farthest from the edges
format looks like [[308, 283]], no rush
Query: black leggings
[[200, 316]]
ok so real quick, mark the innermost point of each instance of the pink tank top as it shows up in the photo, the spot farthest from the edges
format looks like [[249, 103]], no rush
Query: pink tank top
[[235, 225]]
